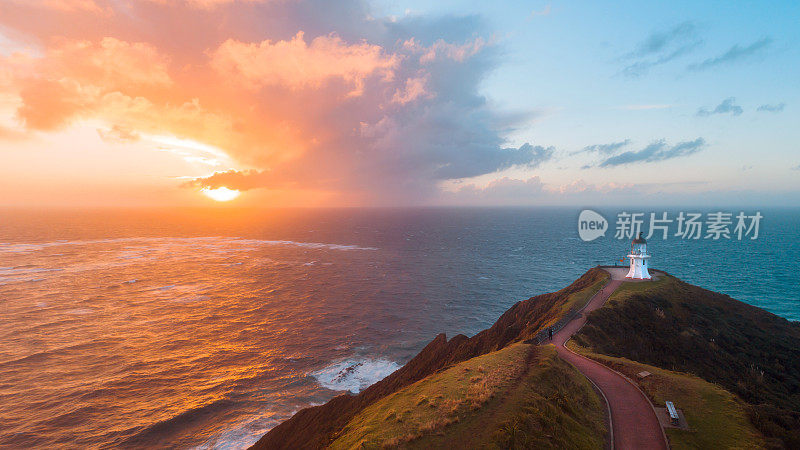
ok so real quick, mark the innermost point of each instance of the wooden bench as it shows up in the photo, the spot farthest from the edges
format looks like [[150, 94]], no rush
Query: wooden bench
[[673, 414]]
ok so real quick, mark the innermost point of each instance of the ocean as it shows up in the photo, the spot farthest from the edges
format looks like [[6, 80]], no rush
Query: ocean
[[206, 328]]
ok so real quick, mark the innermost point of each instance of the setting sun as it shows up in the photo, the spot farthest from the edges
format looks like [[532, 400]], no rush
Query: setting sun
[[221, 194]]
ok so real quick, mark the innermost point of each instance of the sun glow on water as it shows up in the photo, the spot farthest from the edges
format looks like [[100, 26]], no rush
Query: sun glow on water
[[220, 194]]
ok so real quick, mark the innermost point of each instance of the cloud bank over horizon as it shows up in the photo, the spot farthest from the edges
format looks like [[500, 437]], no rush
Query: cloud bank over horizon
[[365, 102], [331, 99]]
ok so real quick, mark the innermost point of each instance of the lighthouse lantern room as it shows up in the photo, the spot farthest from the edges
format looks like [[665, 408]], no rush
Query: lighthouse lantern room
[[638, 257]]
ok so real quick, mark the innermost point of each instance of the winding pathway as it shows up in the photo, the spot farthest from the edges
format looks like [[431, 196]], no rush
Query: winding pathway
[[633, 421]]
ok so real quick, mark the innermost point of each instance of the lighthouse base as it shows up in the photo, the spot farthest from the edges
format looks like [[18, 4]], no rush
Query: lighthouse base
[[638, 269]]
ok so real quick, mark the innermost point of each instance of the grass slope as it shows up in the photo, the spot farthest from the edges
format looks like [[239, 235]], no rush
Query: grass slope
[[578, 299], [319, 426], [716, 418], [517, 397], [681, 327]]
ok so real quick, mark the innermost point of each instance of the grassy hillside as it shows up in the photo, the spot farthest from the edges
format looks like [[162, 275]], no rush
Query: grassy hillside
[[716, 418], [677, 326], [436, 401], [318, 426], [517, 397], [578, 299]]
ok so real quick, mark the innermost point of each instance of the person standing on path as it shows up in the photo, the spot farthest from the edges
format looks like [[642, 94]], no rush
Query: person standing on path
[[550, 332]]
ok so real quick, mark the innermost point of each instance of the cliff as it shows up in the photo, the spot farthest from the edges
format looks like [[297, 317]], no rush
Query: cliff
[[318, 426], [689, 337]]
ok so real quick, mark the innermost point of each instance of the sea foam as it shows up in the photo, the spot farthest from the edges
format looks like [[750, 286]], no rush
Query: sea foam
[[354, 375]]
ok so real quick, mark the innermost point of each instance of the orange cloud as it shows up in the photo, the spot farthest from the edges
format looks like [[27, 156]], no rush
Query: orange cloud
[[47, 104], [296, 96], [414, 89], [63, 5], [72, 78], [297, 65], [118, 134], [111, 63], [209, 4]]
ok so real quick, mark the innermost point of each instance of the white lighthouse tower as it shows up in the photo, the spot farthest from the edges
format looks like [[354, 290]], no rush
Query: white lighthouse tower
[[638, 257]]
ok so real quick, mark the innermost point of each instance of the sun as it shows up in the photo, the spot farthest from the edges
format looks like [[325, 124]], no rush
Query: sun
[[220, 194]]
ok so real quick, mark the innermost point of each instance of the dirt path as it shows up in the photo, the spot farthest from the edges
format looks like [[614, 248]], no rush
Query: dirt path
[[633, 421]]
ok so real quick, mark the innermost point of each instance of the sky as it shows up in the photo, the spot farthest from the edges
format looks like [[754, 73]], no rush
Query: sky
[[387, 103]]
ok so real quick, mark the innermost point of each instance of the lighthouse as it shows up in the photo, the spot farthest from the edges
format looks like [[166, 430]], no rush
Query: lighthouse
[[638, 257]]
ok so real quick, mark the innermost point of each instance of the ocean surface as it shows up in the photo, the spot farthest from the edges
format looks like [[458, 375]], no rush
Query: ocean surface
[[205, 328]]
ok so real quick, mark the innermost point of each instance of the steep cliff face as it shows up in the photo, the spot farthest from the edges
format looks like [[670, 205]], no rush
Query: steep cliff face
[[318, 426]]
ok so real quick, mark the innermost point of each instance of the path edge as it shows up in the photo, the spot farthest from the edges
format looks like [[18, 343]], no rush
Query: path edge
[[608, 406]]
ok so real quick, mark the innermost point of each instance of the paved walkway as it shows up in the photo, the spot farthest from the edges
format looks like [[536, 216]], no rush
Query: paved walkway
[[633, 420]]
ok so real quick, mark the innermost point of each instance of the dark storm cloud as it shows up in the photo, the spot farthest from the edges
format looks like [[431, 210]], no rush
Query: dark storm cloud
[[728, 106], [241, 180], [402, 145], [481, 161], [308, 93], [475, 162], [656, 151], [735, 53]]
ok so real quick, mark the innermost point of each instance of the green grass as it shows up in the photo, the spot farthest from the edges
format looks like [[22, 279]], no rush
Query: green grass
[[716, 418], [435, 401], [517, 397], [580, 298], [684, 328], [629, 289]]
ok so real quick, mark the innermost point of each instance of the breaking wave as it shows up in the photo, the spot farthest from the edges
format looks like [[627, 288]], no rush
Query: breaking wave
[[354, 375]]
